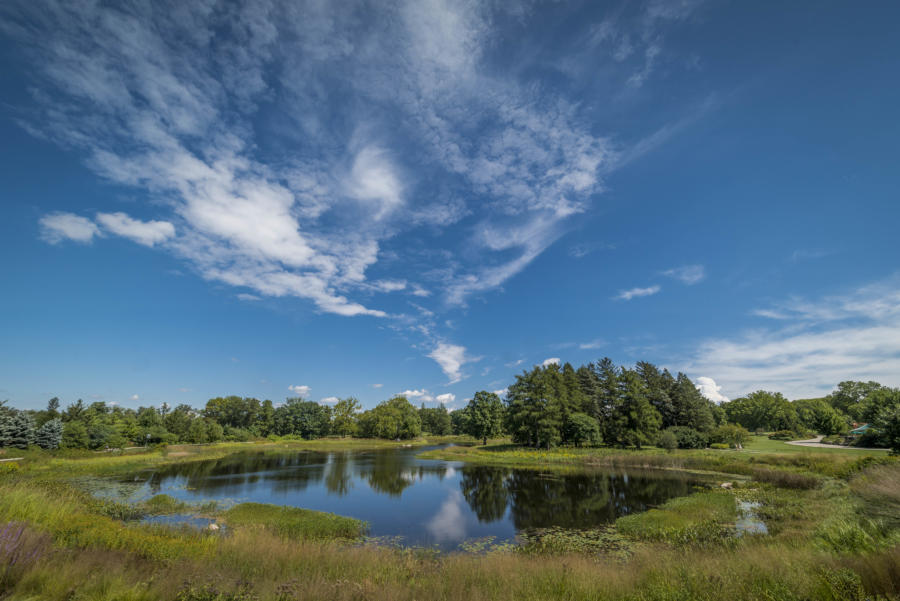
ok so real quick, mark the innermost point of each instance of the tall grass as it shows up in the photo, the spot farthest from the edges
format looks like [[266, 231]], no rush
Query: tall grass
[[679, 551]]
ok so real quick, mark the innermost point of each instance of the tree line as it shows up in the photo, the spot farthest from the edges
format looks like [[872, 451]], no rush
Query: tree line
[[597, 403]]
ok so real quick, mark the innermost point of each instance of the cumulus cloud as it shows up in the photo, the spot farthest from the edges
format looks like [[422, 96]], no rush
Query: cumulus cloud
[[299, 390], [147, 233], [550, 361], [637, 292], [711, 390], [135, 397], [329, 400], [501, 392], [446, 398], [813, 345], [687, 274], [451, 358], [56, 227], [377, 385], [418, 395]]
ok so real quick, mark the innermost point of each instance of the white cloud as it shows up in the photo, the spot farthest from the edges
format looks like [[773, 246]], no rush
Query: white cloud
[[135, 397], [147, 233], [373, 179], [636, 292], [57, 227], [855, 336], [420, 291], [418, 395], [377, 385], [515, 363], [449, 523], [687, 274], [248, 297], [501, 392], [171, 103], [451, 358], [446, 398], [593, 344], [329, 400], [711, 390], [299, 390], [550, 361]]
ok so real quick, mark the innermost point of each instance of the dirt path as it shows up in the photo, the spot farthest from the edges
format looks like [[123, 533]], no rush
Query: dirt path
[[816, 442]]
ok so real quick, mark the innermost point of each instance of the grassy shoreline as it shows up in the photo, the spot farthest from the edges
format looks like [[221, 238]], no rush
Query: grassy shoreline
[[832, 517]]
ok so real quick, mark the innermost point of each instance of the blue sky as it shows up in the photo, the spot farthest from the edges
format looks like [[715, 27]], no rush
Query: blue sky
[[369, 198]]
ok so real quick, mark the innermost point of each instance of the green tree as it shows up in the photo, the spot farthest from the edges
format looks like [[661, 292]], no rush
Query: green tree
[[265, 419], [344, 417], [435, 420], [485, 412], [581, 428], [459, 421], [74, 436], [691, 409], [731, 434], [304, 418], [634, 421], [849, 396], [395, 418], [820, 416], [762, 410]]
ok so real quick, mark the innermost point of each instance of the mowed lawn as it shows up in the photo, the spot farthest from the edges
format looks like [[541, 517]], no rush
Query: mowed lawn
[[763, 444]]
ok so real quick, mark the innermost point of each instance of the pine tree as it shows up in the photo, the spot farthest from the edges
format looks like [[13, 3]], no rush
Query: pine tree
[[49, 436], [20, 430], [634, 421]]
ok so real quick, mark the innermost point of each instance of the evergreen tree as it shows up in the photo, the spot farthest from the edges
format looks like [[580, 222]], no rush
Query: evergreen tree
[[691, 408], [49, 436], [659, 385], [634, 421], [19, 430], [6, 426]]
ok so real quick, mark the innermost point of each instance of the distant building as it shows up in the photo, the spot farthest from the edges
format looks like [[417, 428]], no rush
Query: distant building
[[860, 430]]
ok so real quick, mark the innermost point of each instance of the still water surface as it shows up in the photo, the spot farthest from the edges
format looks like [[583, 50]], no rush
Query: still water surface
[[426, 502]]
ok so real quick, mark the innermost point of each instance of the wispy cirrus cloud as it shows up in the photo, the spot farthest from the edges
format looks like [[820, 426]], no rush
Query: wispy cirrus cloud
[[638, 292], [218, 113], [687, 274], [814, 345]]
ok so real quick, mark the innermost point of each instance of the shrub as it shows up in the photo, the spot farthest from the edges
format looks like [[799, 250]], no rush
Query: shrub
[[688, 438], [783, 435], [719, 445], [667, 440]]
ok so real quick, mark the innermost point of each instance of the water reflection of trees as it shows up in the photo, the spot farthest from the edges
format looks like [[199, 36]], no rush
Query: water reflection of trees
[[388, 472], [538, 500], [392, 473]]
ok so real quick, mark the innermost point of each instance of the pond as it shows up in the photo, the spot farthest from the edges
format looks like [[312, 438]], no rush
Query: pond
[[420, 502]]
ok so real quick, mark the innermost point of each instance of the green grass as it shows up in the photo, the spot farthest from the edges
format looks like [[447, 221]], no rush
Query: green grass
[[763, 444], [834, 540], [699, 520], [293, 522]]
